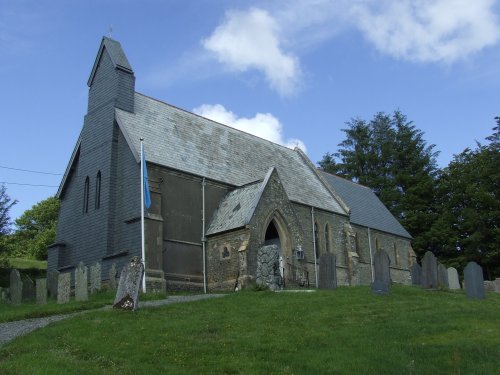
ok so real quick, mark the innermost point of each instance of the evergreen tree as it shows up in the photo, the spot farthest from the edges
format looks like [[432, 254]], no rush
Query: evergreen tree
[[468, 226], [389, 155]]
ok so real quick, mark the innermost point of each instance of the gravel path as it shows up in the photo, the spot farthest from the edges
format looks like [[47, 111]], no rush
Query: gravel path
[[11, 330]]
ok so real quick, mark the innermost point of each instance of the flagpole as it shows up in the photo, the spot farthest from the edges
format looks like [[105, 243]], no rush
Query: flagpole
[[143, 247]]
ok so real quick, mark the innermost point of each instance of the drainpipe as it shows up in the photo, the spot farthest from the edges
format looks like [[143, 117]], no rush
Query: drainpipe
[[203, 238], [314, 247], [371, 255]]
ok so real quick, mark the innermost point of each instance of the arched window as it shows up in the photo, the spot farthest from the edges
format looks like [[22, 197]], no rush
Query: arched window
[[98, 191], [86, 191], [327, 238], [376, 244], [316, 239], [396, 256]]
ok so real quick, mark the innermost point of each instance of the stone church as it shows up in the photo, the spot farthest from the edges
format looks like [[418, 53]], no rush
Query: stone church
[[218, 195]]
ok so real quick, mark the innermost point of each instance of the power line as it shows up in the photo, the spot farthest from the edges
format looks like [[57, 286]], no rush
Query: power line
[[18, 183], [30, 171]]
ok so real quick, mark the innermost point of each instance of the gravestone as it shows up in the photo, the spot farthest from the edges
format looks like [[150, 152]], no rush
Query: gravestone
[[127, 295], [382, 273], [268, 267], [112, 277], [489, 286], [416, 274], [442, 276], [429, 271], [81, 283], [63, 287], [3, 294], [16, 287], [41, 291], [497, 285], [95, 278], [327, 272], [453, 278], [474, 281], [28, 289], [52, 279]]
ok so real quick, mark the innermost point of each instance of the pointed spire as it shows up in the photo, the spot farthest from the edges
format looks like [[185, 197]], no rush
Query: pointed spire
[[117, 55]]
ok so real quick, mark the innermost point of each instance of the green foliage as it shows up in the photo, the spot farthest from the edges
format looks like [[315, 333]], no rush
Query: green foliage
[[468, 226], [36, 230], [6, 204], [390, 155], [347, 331]]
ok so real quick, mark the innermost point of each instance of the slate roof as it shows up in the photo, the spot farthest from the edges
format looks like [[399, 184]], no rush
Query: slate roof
[[237, 207], [187, 142], [116, 54], [234, 210], [366, 209]]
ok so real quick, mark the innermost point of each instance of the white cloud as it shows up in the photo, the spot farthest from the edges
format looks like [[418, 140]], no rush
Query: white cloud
[[252, 40], [263, 125], [428, 30]]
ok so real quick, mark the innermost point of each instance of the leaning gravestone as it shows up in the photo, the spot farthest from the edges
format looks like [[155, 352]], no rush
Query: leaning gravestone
[[382, 273], [453, 278], [41, 291], [95, 278], [81, 283], [429, 271], [28, 289], [127, 295], [112, 277], [268, 267], [442, 276], [16, 287], [474, 281], [52, 279], [63, 287], [416, 274], [327, 272]]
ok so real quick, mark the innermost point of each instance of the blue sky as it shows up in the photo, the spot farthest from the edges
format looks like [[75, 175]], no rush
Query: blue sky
[[290, 71]]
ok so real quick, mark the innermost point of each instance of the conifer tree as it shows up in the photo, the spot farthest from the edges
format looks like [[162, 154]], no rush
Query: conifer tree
[[389, 155], [469, 192]]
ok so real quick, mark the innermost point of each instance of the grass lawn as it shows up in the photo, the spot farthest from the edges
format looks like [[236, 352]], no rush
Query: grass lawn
[[28, 310], [22, 263], [347, 331]]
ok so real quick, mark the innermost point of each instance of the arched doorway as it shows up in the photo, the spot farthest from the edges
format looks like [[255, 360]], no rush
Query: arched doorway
[[277, 233], [272, 236]]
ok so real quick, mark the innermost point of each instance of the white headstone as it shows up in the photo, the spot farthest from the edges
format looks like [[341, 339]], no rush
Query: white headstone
[[81, 283], [453, 278], [63, 287], [95, 278]]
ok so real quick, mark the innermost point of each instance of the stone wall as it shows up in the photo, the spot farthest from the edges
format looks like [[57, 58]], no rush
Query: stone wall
[[398, 249], [336, 238], [274, 205], [226, 261]]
